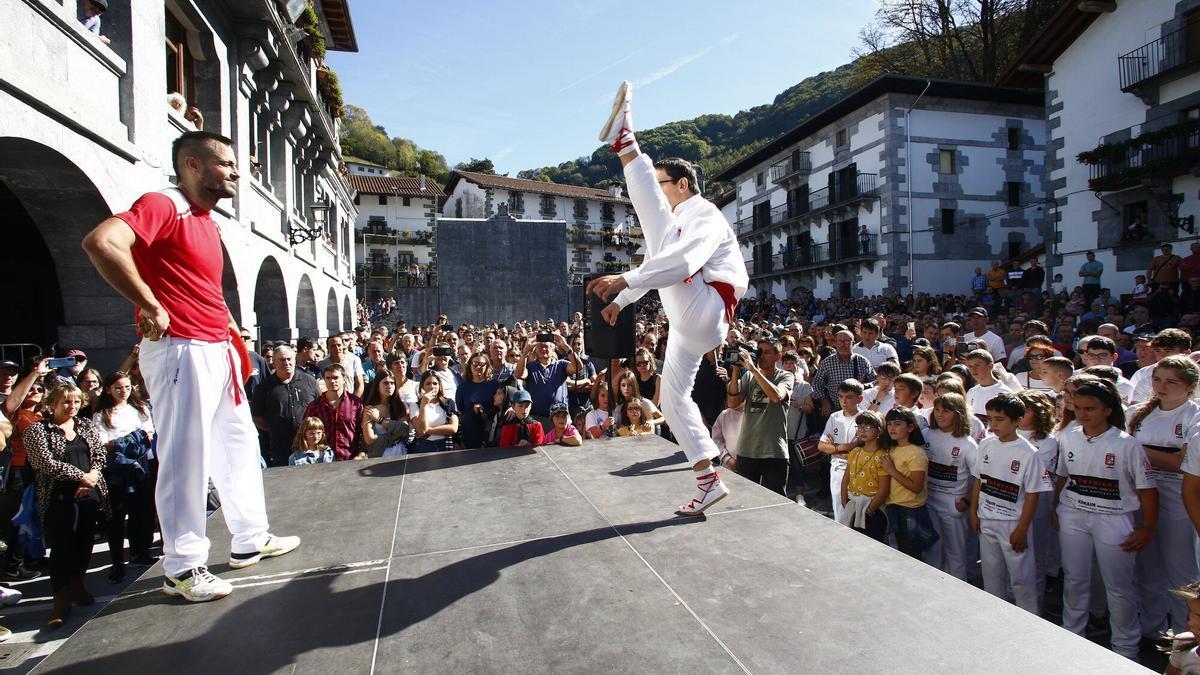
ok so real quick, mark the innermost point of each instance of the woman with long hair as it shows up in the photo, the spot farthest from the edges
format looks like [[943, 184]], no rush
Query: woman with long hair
[[474, 398], [436, 420], [386, 429], [648, 379], [67, 457], [924, 362], [123, 421]]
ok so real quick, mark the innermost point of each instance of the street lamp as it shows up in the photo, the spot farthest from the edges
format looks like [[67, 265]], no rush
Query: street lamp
[[298, 234]]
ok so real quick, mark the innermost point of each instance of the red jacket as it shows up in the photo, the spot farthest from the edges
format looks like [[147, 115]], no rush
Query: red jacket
[[509, 433]]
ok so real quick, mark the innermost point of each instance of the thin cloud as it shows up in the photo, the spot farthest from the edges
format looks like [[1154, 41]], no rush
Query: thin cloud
[[671, 68], [729, 39], [501, 154], [610, 66]]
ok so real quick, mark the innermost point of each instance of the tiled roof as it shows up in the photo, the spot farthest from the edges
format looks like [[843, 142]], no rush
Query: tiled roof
[[405, 186], [533, 186], [350, 159]]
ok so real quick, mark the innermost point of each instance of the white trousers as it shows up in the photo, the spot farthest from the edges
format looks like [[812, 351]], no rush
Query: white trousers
[[1045, 542], [202, 433], [1004, 567], [949, 554], [1168, 562], [837, 469], [697, 317], [1083, 534]]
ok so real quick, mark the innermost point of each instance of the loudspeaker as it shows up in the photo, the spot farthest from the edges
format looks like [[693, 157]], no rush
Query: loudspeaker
[[601, 340]]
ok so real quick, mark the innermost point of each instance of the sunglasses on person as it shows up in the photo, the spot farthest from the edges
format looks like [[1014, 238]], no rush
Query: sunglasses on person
[[639, 364]]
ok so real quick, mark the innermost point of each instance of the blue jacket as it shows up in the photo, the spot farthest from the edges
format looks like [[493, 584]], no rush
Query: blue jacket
[[128, 461]]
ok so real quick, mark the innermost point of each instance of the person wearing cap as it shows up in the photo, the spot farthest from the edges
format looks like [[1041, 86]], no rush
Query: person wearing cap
[[9, 372], [521, 431], [977, 321], [562, 432], [92, 9]]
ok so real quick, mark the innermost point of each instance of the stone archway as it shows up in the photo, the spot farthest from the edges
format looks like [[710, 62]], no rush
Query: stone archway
[[331, 312], [271, 302], [348, 317], [306, 309], [47, 205], [229, 287]]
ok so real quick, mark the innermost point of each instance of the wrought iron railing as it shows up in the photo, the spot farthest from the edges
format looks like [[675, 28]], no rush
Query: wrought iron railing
[[1153, 59], [801, 164]]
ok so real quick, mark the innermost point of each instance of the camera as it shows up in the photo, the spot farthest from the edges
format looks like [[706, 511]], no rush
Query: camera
[[64, 362], [545, 337], [730, 356], [443, 351]]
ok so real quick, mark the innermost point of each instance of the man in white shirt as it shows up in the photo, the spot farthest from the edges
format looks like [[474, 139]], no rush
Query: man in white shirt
[[871, 348], [355, 376], [986, 386], [977, 320], [1169, 341], [1097, 350]]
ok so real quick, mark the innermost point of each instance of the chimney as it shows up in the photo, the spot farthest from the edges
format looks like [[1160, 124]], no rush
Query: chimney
[[614, 191], [422, 182]]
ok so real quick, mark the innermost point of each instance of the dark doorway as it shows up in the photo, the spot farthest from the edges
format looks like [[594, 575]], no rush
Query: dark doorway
[[33, 301]]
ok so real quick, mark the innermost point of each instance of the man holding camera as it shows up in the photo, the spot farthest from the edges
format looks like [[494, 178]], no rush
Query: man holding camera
[[762, 451], [693, 259], [546, 376]]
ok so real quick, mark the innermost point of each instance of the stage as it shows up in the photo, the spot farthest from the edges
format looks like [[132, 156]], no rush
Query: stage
[[564, 560]]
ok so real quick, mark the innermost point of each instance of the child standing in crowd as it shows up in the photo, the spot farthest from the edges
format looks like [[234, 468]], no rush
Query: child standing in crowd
[[1101, 487], [1009, 478], [1162, 425], [908, 466], [563, 432], [635, 423], [309, 446], [951, 451], [987, 387], [727, 428], [599, 423], [1037, 427], [522, 431], [865, 483], [880, 398], [839, 438], [906, 390]]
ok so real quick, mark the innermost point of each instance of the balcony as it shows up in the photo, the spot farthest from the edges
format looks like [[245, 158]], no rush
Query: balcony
[[375, 267], [791, 169], [1162, 153], [777, 216], [1144, 66], [816, 256], [391, 236]]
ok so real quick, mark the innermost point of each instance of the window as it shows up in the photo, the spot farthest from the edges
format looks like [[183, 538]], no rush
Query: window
[[1014, 249], [405, 258], [181, 75], [948, 216], [606, 212], [759, 180], [516, 202], [383, 200], [840, 138], [947, 161], [581, 209], [356, 198], [1014, 138], [548, 206], [408, 201], [1014, 193]]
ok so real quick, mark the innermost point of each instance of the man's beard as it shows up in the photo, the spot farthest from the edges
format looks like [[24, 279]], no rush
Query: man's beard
[[221, 189]]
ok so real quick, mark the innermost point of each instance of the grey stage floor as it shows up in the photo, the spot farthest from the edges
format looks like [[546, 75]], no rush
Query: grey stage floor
[[564, 560]]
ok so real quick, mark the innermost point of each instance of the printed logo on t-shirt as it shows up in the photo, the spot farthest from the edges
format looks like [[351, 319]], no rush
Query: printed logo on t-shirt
[[946, 473], [999, 489], [1178, 431], [1110, 460], [1016, 465], [1092, 486], [954, 452]]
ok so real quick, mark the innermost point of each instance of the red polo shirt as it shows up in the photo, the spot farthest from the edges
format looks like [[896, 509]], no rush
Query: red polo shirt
[[178, 254]]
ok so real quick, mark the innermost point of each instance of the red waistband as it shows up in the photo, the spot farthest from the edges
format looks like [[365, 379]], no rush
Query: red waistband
[[723, 289]]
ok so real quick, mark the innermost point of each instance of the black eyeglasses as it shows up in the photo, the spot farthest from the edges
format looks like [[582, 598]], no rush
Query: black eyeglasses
[[641, 363]]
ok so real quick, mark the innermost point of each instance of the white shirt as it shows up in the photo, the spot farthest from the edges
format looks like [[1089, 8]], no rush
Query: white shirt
[[1007, 471], [353, 367], [1103, 473], [994, 344], [886, 402], [595, 418], [979, 395], [840, 429], [1143, 381], [877, 353], [1166, 429], [1027, 382], [692, 238], [125, 420], [949, 463], [1047, 450], [725, 432]]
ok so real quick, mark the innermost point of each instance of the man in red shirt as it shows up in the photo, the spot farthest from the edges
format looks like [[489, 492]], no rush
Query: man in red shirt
[[164, 255], [342, 414]]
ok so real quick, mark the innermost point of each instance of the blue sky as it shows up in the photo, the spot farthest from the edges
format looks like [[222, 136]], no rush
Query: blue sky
[[528, 83]]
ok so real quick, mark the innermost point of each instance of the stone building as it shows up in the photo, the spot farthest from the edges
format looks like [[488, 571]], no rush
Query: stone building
[[88, 128], [1122, 91], [826, 205], [600, 225]]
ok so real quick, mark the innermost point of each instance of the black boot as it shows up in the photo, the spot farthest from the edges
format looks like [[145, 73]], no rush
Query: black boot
[[79, 594]]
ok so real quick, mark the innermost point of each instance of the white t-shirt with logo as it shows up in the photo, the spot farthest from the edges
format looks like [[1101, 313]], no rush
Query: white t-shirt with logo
[[1104, 473], [886, 402], [995, 344], [877, 353], [840, 429], [1167, 430], [950, 461], [1007, 471], [1047, 449], [1143, 381]]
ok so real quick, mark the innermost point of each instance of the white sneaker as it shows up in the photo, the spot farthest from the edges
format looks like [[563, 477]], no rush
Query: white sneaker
[[197, 585], [275, 547], [9, 596], [617, 131], [709, 491]]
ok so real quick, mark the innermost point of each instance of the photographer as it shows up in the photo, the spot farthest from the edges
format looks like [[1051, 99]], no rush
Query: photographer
[[546, 377], [762, 451]]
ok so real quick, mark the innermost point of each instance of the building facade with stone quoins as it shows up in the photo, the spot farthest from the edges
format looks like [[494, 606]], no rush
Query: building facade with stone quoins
[[88, 129], [601, 231], [827, 205], [1122, 88], [397, 219]]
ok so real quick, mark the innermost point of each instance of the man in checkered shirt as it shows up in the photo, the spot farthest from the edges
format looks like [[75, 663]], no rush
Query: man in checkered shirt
[[838, 368]]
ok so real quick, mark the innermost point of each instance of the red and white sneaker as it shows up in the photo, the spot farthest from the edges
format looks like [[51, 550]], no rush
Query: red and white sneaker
[[617, 131], [709, 491]]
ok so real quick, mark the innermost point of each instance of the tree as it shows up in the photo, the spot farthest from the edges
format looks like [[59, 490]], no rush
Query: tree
[[433, 164], [484, 165]]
